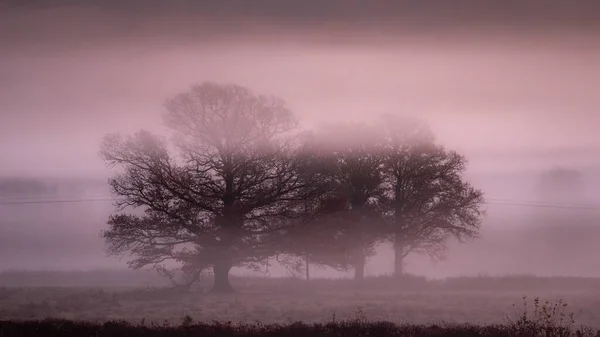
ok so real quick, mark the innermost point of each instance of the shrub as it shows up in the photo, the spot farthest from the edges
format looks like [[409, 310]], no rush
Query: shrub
[[544, 319]]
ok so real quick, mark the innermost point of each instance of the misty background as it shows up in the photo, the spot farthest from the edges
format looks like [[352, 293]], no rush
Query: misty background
[[512, 85]]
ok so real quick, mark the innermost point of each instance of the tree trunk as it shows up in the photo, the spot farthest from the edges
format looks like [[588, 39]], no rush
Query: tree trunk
[[221, 284], [398, 259], [359, 268]]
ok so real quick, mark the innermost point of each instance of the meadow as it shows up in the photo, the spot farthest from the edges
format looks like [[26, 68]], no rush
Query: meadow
[[412, 300]]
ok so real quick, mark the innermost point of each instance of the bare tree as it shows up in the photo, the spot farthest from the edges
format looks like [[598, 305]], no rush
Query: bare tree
[[349, 219], [222, 196], [430, 201], [319, 240]]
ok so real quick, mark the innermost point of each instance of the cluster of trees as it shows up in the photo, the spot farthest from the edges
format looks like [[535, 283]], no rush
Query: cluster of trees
[[240, 182], [561, 185]]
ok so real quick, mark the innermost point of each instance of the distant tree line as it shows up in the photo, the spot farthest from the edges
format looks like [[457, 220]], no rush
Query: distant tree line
[[561, 185], [10, 187], [25, 187], [240, 182]]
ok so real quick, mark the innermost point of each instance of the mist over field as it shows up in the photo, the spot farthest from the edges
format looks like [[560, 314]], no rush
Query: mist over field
[[510, 85]]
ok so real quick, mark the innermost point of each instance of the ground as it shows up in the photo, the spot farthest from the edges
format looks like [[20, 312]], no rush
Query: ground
[[285, 301]]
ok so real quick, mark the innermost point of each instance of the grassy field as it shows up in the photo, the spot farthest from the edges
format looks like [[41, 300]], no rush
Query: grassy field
[[480, 301]]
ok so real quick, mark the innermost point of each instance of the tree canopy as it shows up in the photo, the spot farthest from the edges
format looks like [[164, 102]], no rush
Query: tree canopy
[[236, 178], [430, 202], [239, 182]]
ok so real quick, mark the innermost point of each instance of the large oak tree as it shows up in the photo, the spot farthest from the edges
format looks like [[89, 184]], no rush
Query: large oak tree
[[235, 180]]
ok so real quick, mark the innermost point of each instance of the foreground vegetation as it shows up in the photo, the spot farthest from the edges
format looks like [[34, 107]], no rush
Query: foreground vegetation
[[542, 319], [356, 327]]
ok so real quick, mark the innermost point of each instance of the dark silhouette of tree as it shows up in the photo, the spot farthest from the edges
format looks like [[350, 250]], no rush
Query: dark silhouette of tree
[[320, 240], [22, 187], [309, 244], [235, 182], [347, 220], [429, 200], [351, 154]]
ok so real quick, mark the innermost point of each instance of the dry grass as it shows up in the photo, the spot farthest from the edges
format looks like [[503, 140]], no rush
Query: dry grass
[[284, 301], [352, 328]]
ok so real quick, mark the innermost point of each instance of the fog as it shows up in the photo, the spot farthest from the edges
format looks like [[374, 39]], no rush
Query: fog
[[516, 94]]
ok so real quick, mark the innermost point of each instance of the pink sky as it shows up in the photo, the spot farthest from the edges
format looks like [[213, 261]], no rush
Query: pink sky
[[491, 91]]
